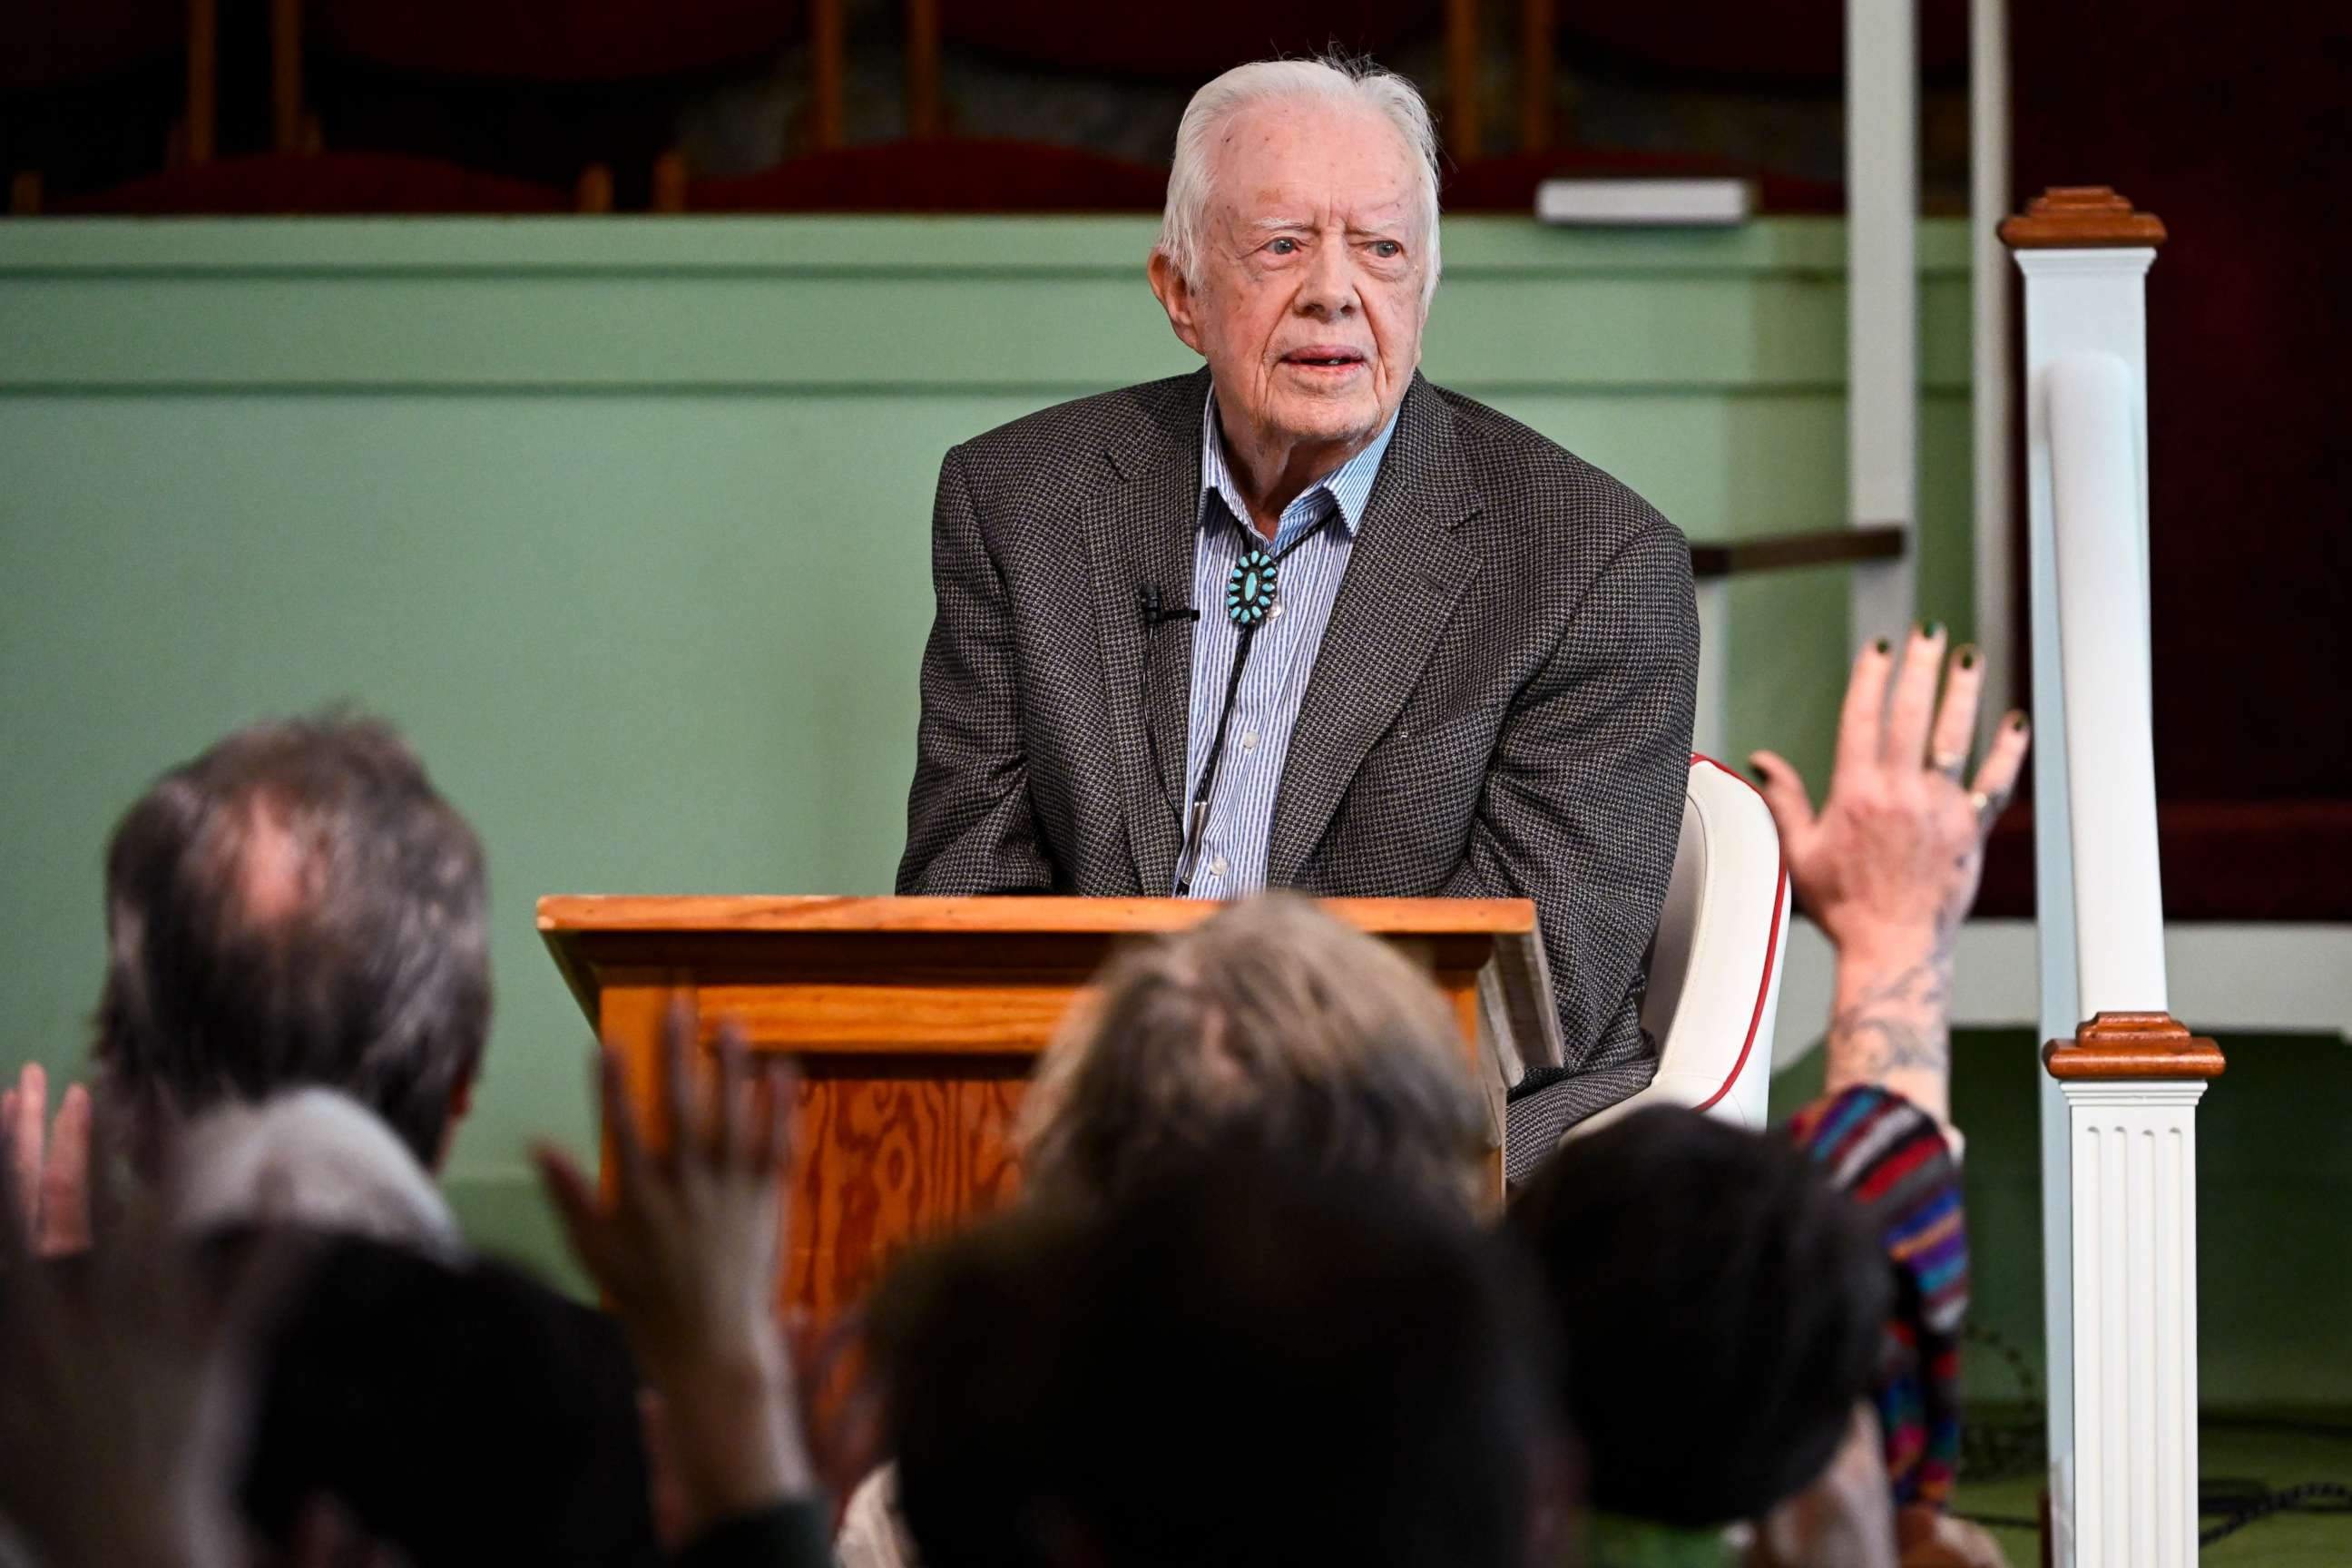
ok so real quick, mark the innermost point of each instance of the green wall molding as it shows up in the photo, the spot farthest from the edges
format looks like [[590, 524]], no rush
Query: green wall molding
[[883, 306]]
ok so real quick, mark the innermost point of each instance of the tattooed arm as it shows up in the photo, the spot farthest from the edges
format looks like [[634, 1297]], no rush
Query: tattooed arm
[[1891, 1027], [1889, 865]]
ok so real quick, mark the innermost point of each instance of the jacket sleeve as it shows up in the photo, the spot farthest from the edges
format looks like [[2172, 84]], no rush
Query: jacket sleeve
[[1581, 812], [969, 827]]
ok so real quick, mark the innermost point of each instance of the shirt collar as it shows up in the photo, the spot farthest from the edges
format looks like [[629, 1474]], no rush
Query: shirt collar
[[1348, 486]]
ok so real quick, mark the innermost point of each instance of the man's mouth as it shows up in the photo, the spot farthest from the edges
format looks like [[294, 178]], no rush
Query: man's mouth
[[1324, 356]]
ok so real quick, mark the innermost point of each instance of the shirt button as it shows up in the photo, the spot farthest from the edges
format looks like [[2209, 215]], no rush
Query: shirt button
[[1217, 866], [1274, 614], [1249, 740]]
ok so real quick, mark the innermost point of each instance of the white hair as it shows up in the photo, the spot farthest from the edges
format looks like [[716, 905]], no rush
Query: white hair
[[1334, 81], [308, 1157]]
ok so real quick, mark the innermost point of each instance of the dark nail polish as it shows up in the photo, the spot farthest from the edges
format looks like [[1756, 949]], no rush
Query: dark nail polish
[[1881, 645], [1967, 658], [2017, 723], [1933, 630], [1761, 776]]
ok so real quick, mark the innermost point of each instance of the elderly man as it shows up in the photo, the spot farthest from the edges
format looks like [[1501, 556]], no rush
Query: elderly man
[[1303, 619]]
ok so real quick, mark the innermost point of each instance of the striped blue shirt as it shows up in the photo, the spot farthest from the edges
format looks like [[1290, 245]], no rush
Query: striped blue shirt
[[1231, 857]]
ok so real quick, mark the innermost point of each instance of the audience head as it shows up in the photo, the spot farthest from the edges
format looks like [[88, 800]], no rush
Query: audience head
[[1270, 1025], [1239, 1360], [1302, 220], [1722, 1305], [296, 905]]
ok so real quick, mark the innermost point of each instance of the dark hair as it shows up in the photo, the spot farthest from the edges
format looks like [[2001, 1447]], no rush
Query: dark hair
[[1242, 1362], [1723, 1305], [296, 905], [456, 1413]]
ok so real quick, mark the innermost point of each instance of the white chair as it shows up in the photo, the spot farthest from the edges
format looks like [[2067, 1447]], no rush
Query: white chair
[[1715, 965]]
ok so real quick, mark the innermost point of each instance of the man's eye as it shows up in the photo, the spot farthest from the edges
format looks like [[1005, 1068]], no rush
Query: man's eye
[[1283, 247], [1386, 248]]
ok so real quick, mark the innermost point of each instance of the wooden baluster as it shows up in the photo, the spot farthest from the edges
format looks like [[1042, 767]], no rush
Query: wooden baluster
[[669, 183], [286, 75], [204, 70], [1461, 127], [827, 51], [593, 194], [1537, 22], [923, 108]]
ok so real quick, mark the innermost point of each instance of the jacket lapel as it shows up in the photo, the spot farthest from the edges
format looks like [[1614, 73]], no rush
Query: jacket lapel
[[1405, 574], [1140, 532]]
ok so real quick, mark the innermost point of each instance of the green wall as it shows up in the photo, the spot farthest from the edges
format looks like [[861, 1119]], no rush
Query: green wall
[[625, 521]]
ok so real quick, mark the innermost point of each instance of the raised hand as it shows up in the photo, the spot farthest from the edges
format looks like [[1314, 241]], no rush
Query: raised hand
[[48, 1164], [129, 1397], [688, 1255], [1894, 856], [1890, 864]]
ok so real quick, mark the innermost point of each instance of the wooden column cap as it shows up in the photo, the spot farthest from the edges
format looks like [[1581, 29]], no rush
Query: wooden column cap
[[2146, 1046], [2080, 217]]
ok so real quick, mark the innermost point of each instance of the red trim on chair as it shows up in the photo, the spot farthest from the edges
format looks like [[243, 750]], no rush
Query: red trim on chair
[[1771, 946]]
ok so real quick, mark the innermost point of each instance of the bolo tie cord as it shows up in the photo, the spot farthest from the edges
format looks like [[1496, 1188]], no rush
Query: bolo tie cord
[[1251, 589]]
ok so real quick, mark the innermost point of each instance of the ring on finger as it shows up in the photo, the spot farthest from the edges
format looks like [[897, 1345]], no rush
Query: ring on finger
[[1985, 805], [1950, 764]]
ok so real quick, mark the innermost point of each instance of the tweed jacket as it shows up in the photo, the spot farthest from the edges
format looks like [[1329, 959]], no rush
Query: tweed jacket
[[1501, 704]]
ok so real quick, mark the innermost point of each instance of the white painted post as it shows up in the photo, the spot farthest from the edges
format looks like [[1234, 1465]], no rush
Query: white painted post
[[2120, 1244], [1992, 400], [2135, 1190], [1882, 280]]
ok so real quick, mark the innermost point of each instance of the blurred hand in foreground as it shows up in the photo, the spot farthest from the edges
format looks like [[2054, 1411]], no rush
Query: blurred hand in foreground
[[688, 1254], [128, 1394], [49, 1163]]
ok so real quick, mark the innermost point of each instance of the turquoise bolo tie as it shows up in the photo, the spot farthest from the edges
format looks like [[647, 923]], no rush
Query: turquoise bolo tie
[[1250, 585]]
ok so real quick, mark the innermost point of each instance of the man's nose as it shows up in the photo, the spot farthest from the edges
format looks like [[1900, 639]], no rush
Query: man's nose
[[1329, 289]]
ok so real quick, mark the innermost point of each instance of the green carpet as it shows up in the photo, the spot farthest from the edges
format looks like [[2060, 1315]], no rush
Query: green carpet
[[2276, 1451]]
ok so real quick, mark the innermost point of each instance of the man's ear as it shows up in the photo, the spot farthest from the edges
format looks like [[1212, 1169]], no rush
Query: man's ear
[[1177, 298], [461, 1100]]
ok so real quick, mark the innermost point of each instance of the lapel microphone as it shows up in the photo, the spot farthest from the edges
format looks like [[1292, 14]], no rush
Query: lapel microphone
[[1154, 605]]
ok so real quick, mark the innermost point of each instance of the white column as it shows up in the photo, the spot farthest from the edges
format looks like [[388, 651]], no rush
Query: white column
[[2135, 1190], [2075, 301], [1992, 401], [2118, 1123], [1882, 159], [2097, 416]]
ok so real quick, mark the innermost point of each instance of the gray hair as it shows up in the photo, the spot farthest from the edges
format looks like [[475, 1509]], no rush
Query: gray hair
[[1271, 1026], [296, 905], [1333, 79]]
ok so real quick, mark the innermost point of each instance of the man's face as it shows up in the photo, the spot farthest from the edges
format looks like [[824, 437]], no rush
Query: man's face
[[1309, 303]]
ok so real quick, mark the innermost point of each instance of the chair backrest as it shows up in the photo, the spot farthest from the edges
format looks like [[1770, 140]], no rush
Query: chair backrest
[[1715, 965]]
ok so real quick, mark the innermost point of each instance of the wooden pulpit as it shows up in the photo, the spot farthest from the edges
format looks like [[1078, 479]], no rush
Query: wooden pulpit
[[914, 1023]]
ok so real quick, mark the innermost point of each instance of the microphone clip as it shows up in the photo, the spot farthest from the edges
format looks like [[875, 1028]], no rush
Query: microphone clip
[[1153, 604]]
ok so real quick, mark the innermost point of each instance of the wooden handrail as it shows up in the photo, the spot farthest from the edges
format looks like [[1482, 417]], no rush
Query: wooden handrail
[[1814, 547]]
